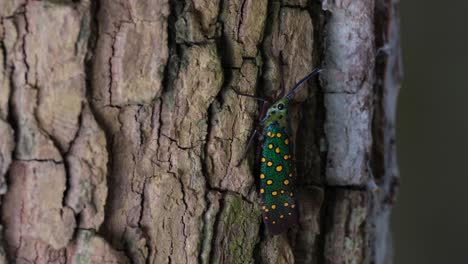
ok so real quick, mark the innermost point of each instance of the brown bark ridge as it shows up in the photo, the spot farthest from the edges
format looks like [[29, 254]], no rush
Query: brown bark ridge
[[120, 130]]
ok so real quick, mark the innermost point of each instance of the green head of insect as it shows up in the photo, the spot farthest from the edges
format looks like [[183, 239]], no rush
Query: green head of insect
[[279, 110]]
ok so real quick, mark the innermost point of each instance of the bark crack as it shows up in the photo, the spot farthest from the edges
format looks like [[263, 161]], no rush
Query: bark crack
[[216, 226], [113, 36], [206, 175], [41, 160], [23, 46], [297, 7], [2, 45], [241, 20]]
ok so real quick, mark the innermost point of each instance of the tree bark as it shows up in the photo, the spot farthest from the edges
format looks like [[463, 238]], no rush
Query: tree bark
[[120, 130]]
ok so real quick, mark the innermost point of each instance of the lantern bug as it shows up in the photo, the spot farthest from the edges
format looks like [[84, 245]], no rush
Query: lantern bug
[[277, 169]]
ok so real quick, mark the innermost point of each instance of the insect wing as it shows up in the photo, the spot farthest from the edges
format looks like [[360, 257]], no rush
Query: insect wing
[[277, 180]]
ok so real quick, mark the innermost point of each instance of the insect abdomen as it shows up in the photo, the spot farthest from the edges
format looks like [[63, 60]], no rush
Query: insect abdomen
[[276, 175]]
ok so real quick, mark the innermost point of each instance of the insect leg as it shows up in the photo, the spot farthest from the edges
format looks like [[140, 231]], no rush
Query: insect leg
[[248, 146], [248, 95], [244, 155]]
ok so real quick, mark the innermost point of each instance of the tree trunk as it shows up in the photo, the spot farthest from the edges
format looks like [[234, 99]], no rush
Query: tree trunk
[[120, 130]]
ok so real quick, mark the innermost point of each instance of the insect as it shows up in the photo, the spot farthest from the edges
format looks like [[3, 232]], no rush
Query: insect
[[277, 167]]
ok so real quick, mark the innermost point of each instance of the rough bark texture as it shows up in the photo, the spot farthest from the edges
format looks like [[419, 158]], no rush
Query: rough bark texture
[[120, 130]]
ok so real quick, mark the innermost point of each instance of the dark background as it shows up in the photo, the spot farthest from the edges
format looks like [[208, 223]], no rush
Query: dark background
[[430, 219]]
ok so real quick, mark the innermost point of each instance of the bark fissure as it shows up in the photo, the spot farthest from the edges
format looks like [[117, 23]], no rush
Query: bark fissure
[[2, 45], [202, 258], [239, 25], [23, 47]]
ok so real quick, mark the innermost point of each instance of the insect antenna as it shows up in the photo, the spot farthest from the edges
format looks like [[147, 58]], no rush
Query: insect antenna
[[310, 75], [282, 84]]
